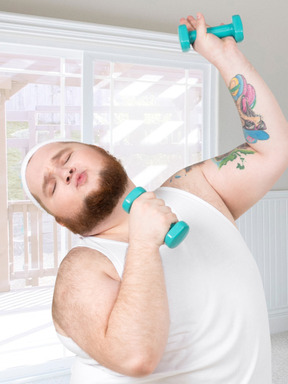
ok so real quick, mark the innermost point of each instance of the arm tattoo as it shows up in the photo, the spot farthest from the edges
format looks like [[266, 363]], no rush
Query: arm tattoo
[[244, 96], [253, 126], [237, 154], [182, 173]]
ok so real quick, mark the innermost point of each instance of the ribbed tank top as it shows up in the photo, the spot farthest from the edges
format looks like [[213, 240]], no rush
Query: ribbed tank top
[[219, 331]]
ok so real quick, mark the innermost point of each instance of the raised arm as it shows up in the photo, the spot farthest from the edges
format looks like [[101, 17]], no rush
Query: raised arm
[[242, 176]]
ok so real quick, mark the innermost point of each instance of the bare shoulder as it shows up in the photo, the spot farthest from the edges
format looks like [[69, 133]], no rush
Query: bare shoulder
[[85, 276], [192, 179], [79, 259], [187, 179]]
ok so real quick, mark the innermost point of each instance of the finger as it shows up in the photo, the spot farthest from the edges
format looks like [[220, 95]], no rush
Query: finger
[[182, 20], [147, 196], [170, 217], [192, 21], [201, 25], [174, 218], [186, 22], [229, 38]]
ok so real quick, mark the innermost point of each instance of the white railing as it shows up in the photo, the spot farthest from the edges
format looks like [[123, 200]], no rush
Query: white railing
[[37, 244]]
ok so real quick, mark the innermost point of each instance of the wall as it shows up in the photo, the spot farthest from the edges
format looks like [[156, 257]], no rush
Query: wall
[[269, 246], [265, 41]]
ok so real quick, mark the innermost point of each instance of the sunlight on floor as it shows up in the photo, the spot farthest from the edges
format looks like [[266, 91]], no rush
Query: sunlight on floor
[[27, 335]]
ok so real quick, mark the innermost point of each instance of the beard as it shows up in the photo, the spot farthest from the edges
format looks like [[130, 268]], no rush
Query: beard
[[100, 203]]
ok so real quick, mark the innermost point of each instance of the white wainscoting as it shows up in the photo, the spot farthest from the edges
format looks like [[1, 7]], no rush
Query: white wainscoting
[[265, 229]]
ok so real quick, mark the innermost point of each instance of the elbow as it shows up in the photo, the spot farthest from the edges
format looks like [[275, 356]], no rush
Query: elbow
[[145, 359], [141, 369], [142, 365]]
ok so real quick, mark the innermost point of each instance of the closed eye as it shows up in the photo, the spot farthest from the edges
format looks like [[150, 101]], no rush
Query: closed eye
[[67, 158], [54, 188]]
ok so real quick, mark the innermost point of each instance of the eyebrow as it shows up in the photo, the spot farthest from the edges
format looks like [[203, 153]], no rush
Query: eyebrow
[[54, 159], [59, 154]]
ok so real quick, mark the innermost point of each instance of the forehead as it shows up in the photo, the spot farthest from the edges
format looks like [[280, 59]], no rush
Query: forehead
[[47, 152], [42, 158]]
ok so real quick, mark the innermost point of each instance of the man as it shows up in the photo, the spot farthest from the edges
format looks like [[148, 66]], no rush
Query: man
[[135, 311]]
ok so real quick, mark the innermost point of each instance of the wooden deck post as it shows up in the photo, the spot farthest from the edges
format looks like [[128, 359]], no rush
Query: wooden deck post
[[4, 259]]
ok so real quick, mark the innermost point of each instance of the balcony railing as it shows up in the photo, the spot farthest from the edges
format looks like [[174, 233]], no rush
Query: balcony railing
[[37, 244]]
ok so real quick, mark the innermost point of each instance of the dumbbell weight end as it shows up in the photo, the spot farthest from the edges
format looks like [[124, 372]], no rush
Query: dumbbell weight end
[[176, 234]]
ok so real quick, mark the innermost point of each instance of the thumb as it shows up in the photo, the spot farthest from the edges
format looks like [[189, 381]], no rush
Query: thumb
[[201, 25]]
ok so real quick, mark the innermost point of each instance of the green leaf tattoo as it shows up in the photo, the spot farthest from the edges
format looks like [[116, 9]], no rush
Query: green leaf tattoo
[[237, 154]]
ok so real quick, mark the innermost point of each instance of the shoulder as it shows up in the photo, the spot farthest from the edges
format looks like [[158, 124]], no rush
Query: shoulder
[[192, 179], [186, 179], [81, 260], [83, 256], [79, 279]]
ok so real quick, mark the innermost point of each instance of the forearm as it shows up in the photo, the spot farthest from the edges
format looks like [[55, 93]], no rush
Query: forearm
[[137, 326], [264, 124], [139, 322]]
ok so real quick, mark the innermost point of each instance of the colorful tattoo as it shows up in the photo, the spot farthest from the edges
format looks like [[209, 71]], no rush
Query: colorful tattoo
[[245, 98], [188, 169], [238, 153], [178, 176]]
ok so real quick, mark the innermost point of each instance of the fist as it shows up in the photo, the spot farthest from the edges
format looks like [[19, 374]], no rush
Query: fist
[[208, 45], [149, 221]]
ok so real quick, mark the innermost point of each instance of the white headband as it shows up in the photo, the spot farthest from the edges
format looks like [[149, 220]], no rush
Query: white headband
[[24, 167]]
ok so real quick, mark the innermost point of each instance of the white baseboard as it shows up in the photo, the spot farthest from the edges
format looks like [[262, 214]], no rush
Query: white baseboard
[[55, 371], [278, 322]]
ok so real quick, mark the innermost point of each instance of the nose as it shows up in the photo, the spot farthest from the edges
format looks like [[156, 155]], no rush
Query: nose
[[68, 174]]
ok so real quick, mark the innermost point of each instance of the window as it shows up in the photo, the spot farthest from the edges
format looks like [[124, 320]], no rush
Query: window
[[151, 117], [131, 92], [44, 104]]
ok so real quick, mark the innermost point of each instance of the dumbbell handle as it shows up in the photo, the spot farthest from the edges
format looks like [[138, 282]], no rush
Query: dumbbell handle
[[234, 29], [177, 232]]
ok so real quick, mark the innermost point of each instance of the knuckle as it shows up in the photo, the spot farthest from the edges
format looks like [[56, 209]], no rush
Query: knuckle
[[149, 195]]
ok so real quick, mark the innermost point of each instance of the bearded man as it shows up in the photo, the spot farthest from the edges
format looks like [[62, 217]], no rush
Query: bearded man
[[130, 308]]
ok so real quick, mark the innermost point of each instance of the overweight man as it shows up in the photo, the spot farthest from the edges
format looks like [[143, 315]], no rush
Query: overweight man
[[130, 308]]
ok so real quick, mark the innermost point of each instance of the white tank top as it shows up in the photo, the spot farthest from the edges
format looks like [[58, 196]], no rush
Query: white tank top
[[219, 331]]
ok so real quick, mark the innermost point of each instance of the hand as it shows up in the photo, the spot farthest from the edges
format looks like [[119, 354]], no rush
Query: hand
[[149, 221], [211, 47]]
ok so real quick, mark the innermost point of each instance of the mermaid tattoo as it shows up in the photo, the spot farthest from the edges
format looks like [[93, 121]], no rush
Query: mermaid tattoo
[[253, 126], [245, 98]]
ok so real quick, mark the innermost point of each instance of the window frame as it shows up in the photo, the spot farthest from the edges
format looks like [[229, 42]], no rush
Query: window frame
[[42, 35], [47, 36]]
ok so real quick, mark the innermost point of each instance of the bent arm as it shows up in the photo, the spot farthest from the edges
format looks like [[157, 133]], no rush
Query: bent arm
[[140, 316], [242, 176], [122, 324]]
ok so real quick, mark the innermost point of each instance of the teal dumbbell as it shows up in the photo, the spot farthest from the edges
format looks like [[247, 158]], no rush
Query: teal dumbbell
[[234, 29], [177, 232]]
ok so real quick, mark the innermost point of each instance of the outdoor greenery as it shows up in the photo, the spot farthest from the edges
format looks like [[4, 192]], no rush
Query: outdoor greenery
[[14, 158]]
